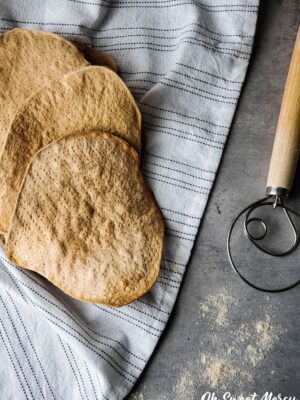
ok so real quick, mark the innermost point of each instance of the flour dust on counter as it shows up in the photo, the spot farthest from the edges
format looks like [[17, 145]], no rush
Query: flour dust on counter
[[216, 306], [237, 348], [235, 358]]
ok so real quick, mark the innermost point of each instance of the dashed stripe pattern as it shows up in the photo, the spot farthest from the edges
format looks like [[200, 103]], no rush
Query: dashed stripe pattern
[[186, 71]]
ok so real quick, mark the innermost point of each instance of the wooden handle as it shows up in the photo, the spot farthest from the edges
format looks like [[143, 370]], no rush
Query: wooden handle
[[286, 145]]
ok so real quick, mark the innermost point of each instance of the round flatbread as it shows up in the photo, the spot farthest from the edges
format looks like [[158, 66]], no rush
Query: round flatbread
[[87, 99], [28, 61], [86, 220]]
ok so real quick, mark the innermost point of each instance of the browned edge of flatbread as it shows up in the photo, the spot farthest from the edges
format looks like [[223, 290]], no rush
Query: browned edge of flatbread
[[96, 57]]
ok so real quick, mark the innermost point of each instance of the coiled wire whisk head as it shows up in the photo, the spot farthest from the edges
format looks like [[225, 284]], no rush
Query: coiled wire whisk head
[[273, 201]]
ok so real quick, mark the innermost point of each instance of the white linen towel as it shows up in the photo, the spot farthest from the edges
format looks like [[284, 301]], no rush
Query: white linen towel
[[185, 62]]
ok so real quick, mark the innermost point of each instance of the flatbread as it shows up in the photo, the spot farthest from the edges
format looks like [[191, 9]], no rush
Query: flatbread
[[86, 220], [96, 57], [28, 61], [87, 99]]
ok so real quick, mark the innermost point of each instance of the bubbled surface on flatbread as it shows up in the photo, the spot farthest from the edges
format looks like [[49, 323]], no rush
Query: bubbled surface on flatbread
[[86, 220], [28, 61], [87, 99]]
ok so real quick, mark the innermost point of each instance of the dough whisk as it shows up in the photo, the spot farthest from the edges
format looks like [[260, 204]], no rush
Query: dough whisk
[[281, 175]]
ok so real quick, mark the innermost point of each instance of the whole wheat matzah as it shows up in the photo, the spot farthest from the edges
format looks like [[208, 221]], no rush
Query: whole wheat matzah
[[28, 61], [86, 220], [87, 99]]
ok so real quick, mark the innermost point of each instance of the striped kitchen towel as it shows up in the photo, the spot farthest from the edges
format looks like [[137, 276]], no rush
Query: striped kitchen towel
[[185, 62]]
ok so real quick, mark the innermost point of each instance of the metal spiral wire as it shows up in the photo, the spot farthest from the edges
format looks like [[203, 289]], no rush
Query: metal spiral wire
[[255, 239]]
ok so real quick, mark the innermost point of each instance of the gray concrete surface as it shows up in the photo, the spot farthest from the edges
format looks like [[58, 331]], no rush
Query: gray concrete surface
[[176, 370]]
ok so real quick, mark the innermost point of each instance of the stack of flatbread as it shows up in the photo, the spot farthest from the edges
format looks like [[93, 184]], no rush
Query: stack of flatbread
[[73, 204]]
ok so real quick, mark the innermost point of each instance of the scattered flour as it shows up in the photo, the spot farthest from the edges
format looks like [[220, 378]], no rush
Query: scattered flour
[[266, 337], [137, 396], [217, 306], [266, 333], [233, 359], [218, 370], [185, 387], [244, 333]]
